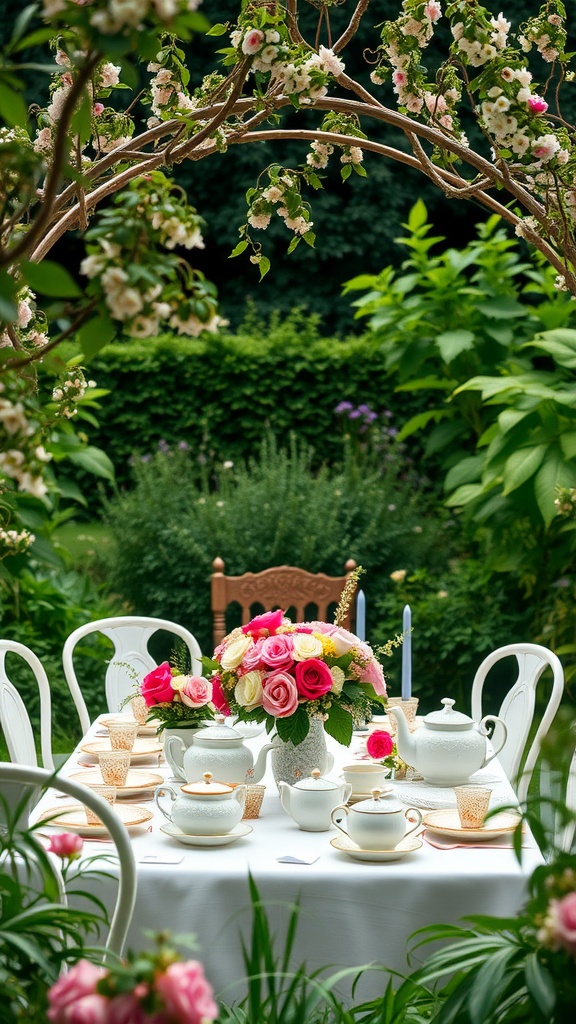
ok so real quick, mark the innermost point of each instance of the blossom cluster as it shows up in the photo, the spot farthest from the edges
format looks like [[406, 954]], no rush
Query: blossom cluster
[[272, 669], [71, 387], [22, 457], [565, 501], [176, 697], [14, 542], [163, 990], [30, 328]]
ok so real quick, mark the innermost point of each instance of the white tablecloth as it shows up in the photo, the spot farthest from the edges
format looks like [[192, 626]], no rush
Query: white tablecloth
[[352, 913]]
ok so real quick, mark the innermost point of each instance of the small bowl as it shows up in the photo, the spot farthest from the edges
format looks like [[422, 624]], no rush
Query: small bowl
[[365, 776]]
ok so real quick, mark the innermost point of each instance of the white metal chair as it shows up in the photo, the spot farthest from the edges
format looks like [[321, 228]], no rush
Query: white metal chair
[[130, 635], [517, 710], [566, 838], [20, 776], [14, 717]]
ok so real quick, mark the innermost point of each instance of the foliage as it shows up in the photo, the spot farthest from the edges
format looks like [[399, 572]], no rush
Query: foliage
[[276, 510]]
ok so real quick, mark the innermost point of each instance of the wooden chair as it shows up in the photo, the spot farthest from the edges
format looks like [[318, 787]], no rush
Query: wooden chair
[[283, 586], [130, 635], [517, 709]]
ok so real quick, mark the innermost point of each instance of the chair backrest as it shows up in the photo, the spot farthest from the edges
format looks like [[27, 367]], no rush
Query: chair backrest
[[22, 776], [14, 717], [282, 586], [566, 838], [130, 635], [517, 710]]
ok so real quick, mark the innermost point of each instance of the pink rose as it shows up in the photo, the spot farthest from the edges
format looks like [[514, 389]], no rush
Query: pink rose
[[91, 1009], [197, 692], [264, 625], [218, 697], [186, 993], [379, 744], [373, 673], [313, 678], [66, 845], [277, 652], [537, 105], [279, 695], [156, 687], [563, 914], [97, 109], [79, 981], [125, 1009], [252, 660]]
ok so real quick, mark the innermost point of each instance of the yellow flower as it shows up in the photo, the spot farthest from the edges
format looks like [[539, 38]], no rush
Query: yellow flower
[[328, 646], [306, 645], [235, 651], [248, 690]]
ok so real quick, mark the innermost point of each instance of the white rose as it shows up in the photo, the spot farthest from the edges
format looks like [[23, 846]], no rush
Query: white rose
[[306, 646], [248, 690], [234, 652]]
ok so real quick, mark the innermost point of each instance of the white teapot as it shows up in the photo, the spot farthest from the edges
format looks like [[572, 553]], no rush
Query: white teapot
[[449, 746], [218, 749], [378, 823], [203, 808], [310, 801]]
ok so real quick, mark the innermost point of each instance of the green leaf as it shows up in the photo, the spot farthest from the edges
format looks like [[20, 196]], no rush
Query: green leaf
[[264, 266], [560, 344], [13, 109], [339, 724], [421, 420], [502, 308], [94, 334], [309, 237], [553, 473], [217, 30], [93, 460], [49, 278], [540, 985], [452, 343], [466, 471], [294, 243], [346, 171], [418, 216], [239, 249], [464, 495], [568, 444], [522, 465], [294, 728]]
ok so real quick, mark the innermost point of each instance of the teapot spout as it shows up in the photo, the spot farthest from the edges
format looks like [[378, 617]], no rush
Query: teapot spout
[[256, 773], [404, 739]]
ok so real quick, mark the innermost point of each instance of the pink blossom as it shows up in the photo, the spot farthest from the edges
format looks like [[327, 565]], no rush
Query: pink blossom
[[373, 673], [79, 981], [218, 697], [65, 845], [252, 41], [92, 1009], [537, 105], [187, 994], [253, 658], [278, 652], [97, 109], [433, 11], [400, 78], [264, 625], [279, 695], [156, 687], [379, 744], [313, 678], [197, 692], [563, 921], [125, 1009]]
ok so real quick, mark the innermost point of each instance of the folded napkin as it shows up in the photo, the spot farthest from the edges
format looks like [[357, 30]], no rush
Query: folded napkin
[[500, 843]]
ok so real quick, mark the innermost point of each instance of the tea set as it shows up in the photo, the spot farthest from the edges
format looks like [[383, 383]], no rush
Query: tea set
[[446, 750]]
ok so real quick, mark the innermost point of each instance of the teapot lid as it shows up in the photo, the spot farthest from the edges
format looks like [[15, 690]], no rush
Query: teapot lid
[[447, 718], [219, 731], [206, 788], [382, 801], [315, 782]]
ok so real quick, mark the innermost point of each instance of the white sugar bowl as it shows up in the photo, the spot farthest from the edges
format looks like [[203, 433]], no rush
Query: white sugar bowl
[[310, 801], [203, 808], [378, 823]]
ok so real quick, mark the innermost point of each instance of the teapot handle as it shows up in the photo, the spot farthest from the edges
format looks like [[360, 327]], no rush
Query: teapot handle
[[411, 811], [160, 791], [494, 719], [340, 807], [176, 765], [329, 763], [239, 794]]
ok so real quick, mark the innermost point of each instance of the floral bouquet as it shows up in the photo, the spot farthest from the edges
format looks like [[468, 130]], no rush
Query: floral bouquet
[[283, 673], [177, 700]]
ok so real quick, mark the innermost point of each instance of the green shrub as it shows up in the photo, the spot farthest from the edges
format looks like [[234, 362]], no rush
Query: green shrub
[[277, 510]]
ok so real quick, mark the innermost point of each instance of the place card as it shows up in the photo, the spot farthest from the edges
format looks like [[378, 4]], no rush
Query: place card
[[161, 858], [289, 859]]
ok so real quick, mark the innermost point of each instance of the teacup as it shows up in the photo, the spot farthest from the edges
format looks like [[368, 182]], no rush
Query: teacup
[[365, 776]]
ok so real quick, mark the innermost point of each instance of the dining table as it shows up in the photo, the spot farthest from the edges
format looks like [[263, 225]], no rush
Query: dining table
[[352, 912]]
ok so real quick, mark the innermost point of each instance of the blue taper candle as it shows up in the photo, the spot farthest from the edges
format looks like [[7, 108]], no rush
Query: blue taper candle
[[361, 615], [407, 654]]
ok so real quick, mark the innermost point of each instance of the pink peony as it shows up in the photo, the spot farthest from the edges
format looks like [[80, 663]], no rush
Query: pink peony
[[79, 981], [563, 920], [313, 678], [156, 687], [537, 105], [92, 1009], [264, 625], [197, 692], [279, 695], [187, 994], [253, 658], [277, 652], [379, 744], [66, 845], [218, 697], [373, 673]]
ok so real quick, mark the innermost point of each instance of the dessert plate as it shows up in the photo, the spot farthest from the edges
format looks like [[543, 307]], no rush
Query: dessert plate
[[143, 748], [137, 782], [72, 817], [148, 729], [345, 845], [224, 840], [447, 823]]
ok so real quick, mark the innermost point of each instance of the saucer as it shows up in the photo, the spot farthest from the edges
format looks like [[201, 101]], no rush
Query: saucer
[[137, 782], [345, 845], [188, 840], [447, 823], [72, 817], [143, 748]]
